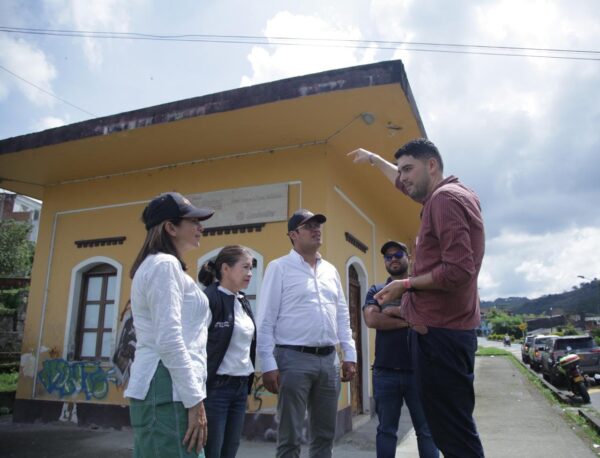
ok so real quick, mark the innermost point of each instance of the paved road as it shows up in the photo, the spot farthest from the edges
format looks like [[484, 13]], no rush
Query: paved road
[[513, 418]]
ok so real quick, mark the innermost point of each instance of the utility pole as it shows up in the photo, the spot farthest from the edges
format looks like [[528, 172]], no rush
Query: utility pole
[[598, 304]]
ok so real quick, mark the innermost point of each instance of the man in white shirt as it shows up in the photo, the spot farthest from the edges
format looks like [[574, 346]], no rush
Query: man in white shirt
[[302, 316]]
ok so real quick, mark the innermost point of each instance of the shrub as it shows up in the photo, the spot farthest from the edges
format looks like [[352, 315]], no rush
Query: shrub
[[8, 382], [9, 298]]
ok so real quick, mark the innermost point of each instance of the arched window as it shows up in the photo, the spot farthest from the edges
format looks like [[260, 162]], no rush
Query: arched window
[[95, 333], [95, 282]]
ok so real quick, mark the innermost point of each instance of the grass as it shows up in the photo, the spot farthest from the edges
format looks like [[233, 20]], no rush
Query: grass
[[8, 382], [492, 351]]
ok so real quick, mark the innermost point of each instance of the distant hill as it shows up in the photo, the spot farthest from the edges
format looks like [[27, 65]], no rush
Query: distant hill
[[583, 298], [508, 303]]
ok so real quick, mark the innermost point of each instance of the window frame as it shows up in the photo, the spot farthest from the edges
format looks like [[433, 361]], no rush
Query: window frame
[[103, 271], [72, 313]]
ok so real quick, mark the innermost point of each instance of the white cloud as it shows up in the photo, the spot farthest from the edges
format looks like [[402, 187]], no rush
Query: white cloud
[[48, 122], [278, 61], [30, 63], [525, 264], [93, 15], [521, 131]]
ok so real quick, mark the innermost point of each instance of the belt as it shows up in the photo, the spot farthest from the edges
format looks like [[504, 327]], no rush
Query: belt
[[419, 328], [321, 351], [229, 378]]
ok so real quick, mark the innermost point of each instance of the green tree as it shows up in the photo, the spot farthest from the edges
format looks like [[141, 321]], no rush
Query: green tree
[[596, 334], [16, 251], [569, 330], [502, 323]]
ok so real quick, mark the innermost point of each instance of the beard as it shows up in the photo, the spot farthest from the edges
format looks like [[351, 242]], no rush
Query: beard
[[397, 271]]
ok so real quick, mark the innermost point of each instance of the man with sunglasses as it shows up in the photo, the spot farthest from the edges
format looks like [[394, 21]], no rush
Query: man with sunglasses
[[393, 376], [302, 316], [440, 300]]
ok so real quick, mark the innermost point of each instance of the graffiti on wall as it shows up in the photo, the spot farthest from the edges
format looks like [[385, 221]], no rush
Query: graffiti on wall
[[258, 391], [68, 378], [125, 351]]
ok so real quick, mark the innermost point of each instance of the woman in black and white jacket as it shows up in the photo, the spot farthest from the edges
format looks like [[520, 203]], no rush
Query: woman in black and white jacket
[[231, 349]]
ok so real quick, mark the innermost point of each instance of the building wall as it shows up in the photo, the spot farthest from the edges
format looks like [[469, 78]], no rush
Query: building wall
[[319, 177], [113, 207]]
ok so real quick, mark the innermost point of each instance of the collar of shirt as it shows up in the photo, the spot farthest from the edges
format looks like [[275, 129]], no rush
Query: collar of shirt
[[229, 293], [294, 254], [445, 181]]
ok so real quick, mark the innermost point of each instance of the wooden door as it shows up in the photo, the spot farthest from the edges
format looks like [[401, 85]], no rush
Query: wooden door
[[355, 323]]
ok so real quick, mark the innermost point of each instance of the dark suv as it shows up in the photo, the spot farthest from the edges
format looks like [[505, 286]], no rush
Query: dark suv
[[525, 349], [557, 347]]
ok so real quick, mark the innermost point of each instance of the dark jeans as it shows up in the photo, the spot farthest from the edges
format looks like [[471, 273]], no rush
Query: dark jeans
[[225, 406], [390, 389], [445, 361]]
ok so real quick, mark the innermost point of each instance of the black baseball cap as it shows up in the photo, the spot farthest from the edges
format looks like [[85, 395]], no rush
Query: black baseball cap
[[392, 243], [303, 216], [172, 205]]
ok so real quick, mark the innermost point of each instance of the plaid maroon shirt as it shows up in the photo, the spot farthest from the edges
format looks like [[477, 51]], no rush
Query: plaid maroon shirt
[[450, 245]]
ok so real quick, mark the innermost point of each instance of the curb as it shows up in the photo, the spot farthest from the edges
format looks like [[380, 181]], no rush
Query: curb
[[591, 420], [558, 394]]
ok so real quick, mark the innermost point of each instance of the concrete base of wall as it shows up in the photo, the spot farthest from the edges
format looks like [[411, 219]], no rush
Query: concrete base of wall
[[258, 426], [81, 413], [263, 425]]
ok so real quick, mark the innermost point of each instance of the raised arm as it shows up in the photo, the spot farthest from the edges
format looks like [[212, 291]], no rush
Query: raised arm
[[362, 156]]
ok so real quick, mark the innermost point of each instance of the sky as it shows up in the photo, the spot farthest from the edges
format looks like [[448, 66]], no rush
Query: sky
[[523, 132]]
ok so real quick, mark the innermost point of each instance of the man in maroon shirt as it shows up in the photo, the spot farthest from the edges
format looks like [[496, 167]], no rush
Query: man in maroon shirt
[[441, 300]]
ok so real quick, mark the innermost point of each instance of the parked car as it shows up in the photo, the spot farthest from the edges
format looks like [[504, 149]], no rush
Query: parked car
[[525, 349], [535, 352], [583, 346]]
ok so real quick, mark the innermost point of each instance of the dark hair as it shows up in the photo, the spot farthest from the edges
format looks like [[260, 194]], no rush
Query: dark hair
[[157, 241], [229, 255], [421, 149]]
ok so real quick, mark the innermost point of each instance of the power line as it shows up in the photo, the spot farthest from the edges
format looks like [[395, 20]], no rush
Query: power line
[[51, 94], [518, 51]]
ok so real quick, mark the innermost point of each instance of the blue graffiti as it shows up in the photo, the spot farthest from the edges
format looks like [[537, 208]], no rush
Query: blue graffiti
[[68, 378]]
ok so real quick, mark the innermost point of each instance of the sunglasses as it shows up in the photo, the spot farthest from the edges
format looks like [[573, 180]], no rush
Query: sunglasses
[[310, 226], [396, 255]]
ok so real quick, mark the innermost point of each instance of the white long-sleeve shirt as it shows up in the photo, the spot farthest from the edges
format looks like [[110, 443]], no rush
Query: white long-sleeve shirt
[[300, 305], [171, 317]]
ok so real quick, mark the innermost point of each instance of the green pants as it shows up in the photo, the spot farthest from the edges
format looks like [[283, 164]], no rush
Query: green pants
[[159, 424]]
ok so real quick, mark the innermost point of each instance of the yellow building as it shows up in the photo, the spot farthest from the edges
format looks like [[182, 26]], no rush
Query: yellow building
[[255, 154]]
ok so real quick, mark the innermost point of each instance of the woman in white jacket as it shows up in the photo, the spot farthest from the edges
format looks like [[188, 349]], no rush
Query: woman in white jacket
[[171, 317]]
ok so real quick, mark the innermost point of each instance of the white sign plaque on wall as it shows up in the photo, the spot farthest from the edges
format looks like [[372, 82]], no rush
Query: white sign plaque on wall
[[233, 207]]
